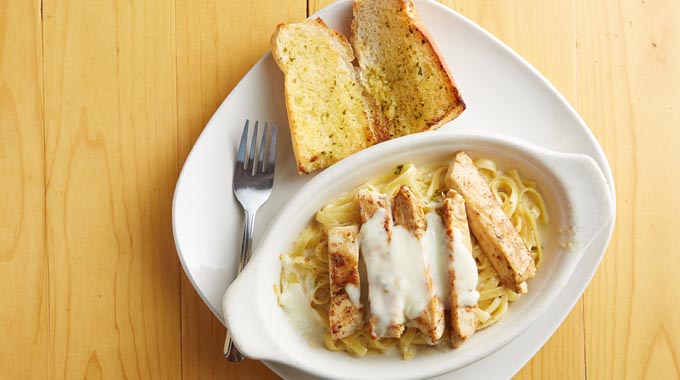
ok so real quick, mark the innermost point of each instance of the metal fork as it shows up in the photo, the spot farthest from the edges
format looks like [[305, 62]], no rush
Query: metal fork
[[253, 182]]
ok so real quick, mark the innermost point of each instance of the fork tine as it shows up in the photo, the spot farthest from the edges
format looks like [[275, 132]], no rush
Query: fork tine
[[253, 144], [241, 156], [271, 150], [263, 146]]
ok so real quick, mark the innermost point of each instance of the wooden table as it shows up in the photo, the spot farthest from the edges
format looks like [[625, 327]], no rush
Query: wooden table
[[101, 101]]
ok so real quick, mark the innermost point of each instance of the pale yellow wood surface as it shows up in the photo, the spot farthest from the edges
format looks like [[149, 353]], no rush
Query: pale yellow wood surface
[[100, 102], [23, 261], [217, 43], [111, 164], [546, 37], [629, 94]]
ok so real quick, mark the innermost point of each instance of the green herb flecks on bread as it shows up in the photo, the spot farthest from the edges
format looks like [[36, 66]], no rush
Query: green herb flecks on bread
[[402, 68], [327, 111]]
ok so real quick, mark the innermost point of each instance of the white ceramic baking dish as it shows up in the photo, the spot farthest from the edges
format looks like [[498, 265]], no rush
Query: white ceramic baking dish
[[579, 203]]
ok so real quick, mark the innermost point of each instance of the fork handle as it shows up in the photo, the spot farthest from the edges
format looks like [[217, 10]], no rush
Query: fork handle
[[230, 351], [246, 243]]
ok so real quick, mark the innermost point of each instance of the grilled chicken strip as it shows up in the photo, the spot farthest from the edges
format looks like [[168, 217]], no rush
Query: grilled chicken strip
[[383, 293], [346, 313], [408, 213], [492, 228], [463, 301]]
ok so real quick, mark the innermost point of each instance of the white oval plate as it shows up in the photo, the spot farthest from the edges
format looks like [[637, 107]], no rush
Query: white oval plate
[[503, 93], [578, 201]]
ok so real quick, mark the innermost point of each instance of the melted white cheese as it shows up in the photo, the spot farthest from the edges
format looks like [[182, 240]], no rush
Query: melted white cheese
[[296, 304], [397, 270], [353, 293], [465, 269], [523, 287], [436, 253], [384, 285], [406, 252]]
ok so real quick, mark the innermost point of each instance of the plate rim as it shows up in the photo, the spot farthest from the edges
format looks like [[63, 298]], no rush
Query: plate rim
[[600, 158]]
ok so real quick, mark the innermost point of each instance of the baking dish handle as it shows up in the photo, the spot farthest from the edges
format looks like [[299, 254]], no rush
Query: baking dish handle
[[589, 197], [245, 320]]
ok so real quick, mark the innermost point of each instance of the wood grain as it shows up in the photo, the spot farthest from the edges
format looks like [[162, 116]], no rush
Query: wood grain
[[100, 103], [314, 6], [217, 43], [23, 263], [545, 36], [629, 91], [111, 164]]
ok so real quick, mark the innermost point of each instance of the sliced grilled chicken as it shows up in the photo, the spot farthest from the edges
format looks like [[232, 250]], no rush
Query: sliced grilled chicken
[[370, 202], [409, 214], [492, 228], [462, 269], [386, 304], [346, 313]]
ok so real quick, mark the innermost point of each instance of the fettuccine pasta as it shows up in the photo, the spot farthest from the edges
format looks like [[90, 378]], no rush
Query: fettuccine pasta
[[307, 261]]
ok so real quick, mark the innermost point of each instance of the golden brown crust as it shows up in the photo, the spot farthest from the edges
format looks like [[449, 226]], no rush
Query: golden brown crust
[[459, 105], [378, 123], [273, 42], [311, 156]]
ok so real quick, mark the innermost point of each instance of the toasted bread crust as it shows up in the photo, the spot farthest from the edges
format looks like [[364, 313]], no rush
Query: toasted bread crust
[[328, 116], [380, 108], [415, 26], [459, 105]]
